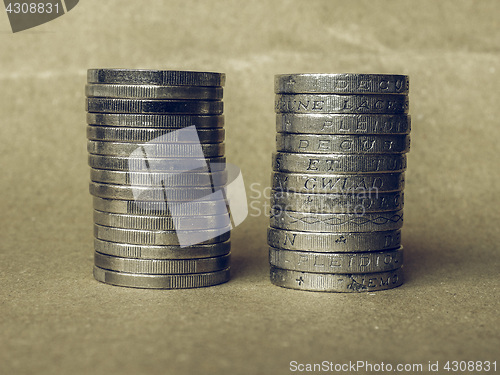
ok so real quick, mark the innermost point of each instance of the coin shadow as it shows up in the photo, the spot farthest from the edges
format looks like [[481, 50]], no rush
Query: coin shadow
[[427, 261], [245, 265], [249, 251]]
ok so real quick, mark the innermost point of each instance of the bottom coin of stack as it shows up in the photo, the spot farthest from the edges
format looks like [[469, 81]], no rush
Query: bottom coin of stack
[[147, 258], [162, 273]]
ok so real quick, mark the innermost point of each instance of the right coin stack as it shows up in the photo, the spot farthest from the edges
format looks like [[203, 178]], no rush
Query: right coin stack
[[338, 180]]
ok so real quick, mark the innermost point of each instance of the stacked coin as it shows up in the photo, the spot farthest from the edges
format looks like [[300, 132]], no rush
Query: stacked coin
[[337, 199], [156, 152]]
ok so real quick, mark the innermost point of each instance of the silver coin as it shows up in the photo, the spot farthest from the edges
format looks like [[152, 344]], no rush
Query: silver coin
[[345, 144], [169, 122], [187, 165], [161, 266], [338, 203], [195, 280], [153, 92], [308, 261], [155, 77], [154, 135], [342, 83], [126, 250], [337, 183], [318, 222], [338, 163], [167, 150], [333, 242], [324, 282], [215, 179], [149, 237], [208, 207], [330, 123], [160, 136], [143, 222], [144, 193], [200, 107], [332, 103]]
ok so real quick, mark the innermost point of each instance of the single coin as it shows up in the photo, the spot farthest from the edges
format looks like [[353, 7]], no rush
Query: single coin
[[324, 282], [160, 208], [338, 163], [168, 195], [153, 92], [154, 106], [308, 261], [346, 144], [143, 222], [160, 136], [351, 83], [155, 77], [330, 123], [332, 103], [126, 250], [195, 280], [161, 266], [338, 183], [318, 222], [167, 150], [324, 242], [358, 203], [188, 179], [180, 164], [165, 237], [169, 122]]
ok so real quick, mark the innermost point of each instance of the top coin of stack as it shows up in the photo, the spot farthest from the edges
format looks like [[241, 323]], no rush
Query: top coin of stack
[[156, 152], [336, 207]]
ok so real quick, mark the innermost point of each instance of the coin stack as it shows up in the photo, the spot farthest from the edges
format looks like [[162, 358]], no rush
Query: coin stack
[[156, 152], [337, 200]]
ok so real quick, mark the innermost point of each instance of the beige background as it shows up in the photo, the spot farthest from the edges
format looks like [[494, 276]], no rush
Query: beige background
[[56, 319]]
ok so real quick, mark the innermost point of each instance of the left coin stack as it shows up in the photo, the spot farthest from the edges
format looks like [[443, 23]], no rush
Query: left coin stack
[[156, 152]]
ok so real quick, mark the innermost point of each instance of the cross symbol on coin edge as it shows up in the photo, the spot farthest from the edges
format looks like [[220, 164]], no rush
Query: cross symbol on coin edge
[[341, 239], [300, 280]]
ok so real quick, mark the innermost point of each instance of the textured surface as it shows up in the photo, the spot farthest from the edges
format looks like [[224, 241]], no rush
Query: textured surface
[[55, 318]]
